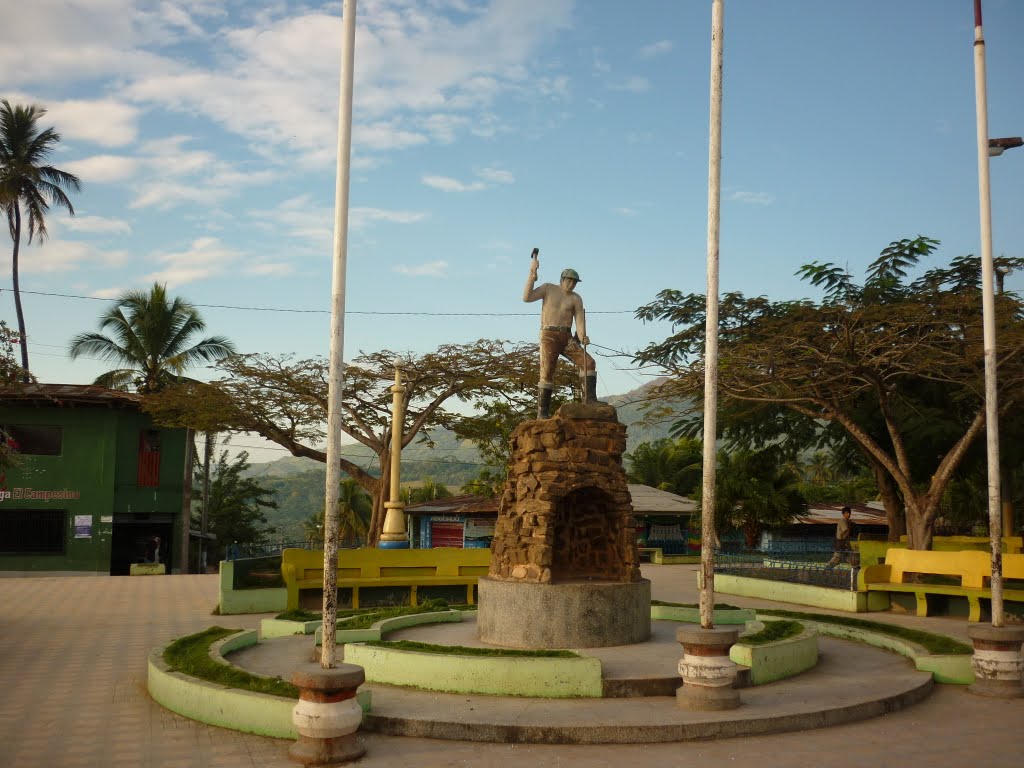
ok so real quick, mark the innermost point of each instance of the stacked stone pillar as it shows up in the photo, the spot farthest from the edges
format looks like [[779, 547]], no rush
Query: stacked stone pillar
[[564, 567]]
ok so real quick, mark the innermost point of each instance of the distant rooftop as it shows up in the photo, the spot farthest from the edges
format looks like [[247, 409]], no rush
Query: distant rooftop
[[70, 396]]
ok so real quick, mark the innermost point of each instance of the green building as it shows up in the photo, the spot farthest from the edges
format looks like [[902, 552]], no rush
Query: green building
[[94, 487]]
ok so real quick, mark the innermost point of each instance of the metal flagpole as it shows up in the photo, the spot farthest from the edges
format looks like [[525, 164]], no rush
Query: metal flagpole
[[707, 537], [995, 520], [336, 379]]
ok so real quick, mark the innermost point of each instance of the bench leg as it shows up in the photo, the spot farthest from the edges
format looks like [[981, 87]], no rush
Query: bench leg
[[469, 594], [412, 595], [975, 608], [355, 597], [293, 598], [922, 603]]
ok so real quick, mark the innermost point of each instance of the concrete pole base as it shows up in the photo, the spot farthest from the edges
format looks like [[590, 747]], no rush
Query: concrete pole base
[[997, 662], [327, 715], [707, 671]]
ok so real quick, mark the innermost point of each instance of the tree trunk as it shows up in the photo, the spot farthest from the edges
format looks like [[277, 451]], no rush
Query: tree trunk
[[17, 293], [919, 531], [376, 526], [895, 515]]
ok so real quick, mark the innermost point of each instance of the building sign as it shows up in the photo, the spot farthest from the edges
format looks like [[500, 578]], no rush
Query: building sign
[[480, 527], [34, 494], [83, 526]]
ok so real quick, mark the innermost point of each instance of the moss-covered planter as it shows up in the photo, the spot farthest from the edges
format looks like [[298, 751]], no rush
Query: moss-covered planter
[[945, 668], [286, 628], [539, 677], [692, 615], [381, 628], [778, 659]]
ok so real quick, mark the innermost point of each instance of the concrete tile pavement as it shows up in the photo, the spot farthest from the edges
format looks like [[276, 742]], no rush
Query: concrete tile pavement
[[73, 669]]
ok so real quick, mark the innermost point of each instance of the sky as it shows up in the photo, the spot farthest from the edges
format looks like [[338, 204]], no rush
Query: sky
[[204, 133]]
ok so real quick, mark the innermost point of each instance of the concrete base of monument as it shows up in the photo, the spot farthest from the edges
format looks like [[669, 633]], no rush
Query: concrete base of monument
[[575, 614]]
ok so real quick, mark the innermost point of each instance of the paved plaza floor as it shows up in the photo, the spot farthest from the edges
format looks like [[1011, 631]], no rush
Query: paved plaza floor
[[73, 667]]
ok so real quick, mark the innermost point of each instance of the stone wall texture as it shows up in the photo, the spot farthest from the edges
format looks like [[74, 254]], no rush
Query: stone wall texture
[[565, 513]]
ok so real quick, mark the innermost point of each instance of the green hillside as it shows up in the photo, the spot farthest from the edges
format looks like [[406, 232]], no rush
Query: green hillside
[[298, 483]]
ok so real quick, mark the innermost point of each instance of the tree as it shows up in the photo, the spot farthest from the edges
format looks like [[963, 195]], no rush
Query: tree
[[285, 401], [669, 465], [237, 502], [354, 508], [152, 340], [896, 365], [11, 381], [428, 490], [754, 491], [27, 180]]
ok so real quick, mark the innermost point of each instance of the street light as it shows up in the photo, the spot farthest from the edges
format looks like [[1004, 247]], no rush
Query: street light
[[996, 147]]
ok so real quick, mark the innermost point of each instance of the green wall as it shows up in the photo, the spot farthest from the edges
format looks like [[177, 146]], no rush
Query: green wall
[[98, 462]]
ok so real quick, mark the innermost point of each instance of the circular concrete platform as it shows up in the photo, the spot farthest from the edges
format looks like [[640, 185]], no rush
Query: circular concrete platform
[[851, 682], [574, 614]]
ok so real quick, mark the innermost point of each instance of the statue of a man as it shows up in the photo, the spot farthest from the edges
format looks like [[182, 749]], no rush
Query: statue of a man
[[561, 306]]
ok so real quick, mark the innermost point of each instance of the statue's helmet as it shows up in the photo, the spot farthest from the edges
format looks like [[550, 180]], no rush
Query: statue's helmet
[[572, 274]]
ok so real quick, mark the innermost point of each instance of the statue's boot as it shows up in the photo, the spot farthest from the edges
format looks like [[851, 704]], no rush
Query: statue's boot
[[591, 385], [543, 402]]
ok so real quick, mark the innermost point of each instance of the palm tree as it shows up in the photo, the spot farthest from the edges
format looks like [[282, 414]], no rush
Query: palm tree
[[151, 336], [26, 180], [354, 507], [756, 490]]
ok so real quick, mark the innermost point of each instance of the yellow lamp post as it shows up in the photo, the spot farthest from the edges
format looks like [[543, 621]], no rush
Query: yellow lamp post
[[394, 536]]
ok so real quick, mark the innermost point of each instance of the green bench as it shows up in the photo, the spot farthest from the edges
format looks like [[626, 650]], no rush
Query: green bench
[[303, 569]]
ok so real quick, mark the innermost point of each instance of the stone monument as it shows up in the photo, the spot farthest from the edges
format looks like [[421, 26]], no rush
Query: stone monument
[[564, 567]]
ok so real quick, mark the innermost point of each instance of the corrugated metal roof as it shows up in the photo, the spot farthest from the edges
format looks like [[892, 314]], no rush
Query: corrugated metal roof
[[61, 395]]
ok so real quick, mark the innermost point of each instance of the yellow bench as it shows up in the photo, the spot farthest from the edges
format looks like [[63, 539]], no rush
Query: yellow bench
[[972, 567], [370, 567]]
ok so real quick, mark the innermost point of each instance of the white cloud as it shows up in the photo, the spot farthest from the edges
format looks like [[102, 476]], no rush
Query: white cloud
[[179, 175], [106, 122], [58, 255], [429, 269], [102, 169], [634, 84], [96, 225], [361, 217], [269, 268], [659, 48], [625, 211], [754, 198], [496, 175], [205, 257], [489, 175], [448, 184]]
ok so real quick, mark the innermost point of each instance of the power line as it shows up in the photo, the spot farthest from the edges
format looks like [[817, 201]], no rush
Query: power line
[[327, 311]]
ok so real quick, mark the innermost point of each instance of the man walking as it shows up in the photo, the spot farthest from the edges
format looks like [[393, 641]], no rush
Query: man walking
[[844, 532], [561, 306]]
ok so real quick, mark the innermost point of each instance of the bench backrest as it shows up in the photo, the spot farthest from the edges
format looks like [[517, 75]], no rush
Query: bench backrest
[[373, 563], [971, 566]]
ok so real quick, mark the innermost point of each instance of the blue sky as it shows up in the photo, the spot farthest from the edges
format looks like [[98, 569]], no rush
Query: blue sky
[[204, 134]]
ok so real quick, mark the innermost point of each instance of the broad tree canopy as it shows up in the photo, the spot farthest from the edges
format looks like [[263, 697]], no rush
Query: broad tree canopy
[[896, 363], [285, 400]]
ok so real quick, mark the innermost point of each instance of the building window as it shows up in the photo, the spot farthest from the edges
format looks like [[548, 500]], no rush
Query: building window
[[149, 458], [32, 531], [33, 439]]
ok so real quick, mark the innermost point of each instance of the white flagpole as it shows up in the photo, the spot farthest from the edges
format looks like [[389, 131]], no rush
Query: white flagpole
[[336, 379]]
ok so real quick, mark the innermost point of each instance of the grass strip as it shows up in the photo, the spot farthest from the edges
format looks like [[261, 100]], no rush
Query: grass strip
[[377, 612], [299, 614], [773, 632], [462, 650], [190, 655], [718, 606], [933, 643]]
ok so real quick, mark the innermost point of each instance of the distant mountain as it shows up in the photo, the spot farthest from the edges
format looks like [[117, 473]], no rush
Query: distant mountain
[[298, 483]]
